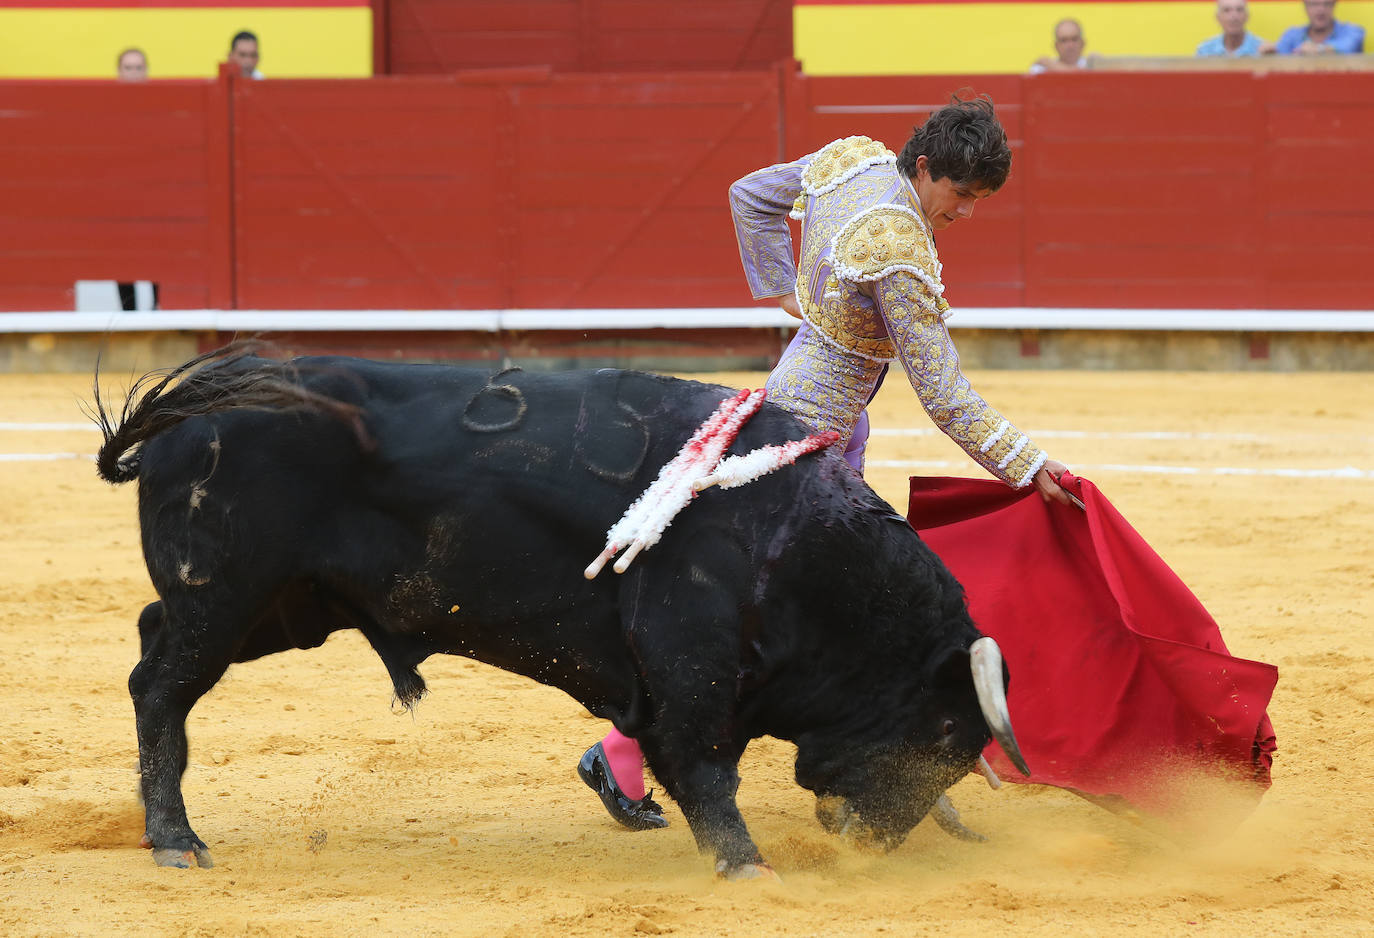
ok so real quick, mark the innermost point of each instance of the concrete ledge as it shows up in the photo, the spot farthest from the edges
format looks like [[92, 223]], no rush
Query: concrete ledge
[[1154, 350], [693, 339], [748, 317]]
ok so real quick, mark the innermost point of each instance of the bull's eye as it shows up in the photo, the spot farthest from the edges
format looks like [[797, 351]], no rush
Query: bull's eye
[[947, 728]]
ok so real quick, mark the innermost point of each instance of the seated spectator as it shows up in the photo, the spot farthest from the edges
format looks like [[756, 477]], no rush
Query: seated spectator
[[243, 54], [132, 65], [1235, 39], [1323, 34], [1068, 46]]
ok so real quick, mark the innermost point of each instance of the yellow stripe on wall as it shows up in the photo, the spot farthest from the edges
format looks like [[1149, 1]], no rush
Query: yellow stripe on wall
[[1005, 38], [182, 42]]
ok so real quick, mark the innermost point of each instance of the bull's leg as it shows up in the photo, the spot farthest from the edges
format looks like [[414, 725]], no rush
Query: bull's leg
[[690, 673], [704, 788], [180, 663], [149, 624]]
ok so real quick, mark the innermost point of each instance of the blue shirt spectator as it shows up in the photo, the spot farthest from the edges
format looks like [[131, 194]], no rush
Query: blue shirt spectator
[[1234, 40], [1249, 45], [1322, 34]]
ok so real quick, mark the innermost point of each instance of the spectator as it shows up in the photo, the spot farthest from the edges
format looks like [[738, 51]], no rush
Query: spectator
[[132, 65], [1323, 34], [1235, 40], [243, 54], [1068, 46]]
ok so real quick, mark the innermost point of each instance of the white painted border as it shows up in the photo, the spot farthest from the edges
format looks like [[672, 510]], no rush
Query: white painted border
[[515, 320]]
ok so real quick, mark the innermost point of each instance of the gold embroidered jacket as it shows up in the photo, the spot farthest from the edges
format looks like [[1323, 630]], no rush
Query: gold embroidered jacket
[[870, 289]]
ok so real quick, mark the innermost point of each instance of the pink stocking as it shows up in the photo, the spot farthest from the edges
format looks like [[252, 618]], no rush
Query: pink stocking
[[626, 760]]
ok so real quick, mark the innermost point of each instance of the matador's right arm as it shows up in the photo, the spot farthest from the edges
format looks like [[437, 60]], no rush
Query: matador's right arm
[[759, 204]]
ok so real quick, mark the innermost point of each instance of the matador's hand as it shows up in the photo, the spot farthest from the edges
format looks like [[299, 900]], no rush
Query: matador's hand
[[789, 305], [1047, 482]]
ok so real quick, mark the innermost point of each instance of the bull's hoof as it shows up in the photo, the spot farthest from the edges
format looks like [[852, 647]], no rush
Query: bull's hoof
[[642, 815], [949, 822], [741, 871], [182, 859]]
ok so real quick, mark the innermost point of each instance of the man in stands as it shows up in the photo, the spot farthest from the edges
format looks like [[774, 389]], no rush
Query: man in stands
[[132, 65], [243, 54], [1235, 40], [1323, 34], [1068, 48]]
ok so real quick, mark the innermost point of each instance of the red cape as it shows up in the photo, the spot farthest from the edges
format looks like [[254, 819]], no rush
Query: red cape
[[1121, 685]]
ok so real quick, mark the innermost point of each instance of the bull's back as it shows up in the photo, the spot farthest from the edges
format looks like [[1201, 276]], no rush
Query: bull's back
[[465, 478], [579, 445]]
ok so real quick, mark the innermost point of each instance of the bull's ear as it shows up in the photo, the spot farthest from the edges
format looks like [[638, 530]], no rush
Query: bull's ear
[[952, 669]]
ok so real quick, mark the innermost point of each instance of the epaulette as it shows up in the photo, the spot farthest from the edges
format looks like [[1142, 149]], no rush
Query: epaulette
[[882, 240], [837, 163]]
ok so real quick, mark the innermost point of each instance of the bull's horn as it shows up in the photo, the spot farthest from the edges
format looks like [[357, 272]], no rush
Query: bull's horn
[[986, 660], [993, 781]]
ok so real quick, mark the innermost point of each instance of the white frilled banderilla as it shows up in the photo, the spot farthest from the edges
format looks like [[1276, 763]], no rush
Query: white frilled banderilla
[[698, 465]]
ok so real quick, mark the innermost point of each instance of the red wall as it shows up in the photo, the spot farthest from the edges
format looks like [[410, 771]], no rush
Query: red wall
[[103, 181], [534, 189], [438, 36], [568, 190], [1148, 189]]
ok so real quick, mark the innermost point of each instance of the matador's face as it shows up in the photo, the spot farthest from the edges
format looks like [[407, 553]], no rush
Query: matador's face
[[945, 201]]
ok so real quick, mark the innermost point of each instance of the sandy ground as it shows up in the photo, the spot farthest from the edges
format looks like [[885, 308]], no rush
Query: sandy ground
[[328, 814]]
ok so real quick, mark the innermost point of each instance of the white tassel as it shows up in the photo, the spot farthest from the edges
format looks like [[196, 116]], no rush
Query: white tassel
[[649, 516], [739, 470]]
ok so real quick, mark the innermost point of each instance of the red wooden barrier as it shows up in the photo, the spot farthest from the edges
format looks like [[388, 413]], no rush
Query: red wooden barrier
[[107, 181], [1317, 199], [425, 192], [535, 189], [1144, 192]]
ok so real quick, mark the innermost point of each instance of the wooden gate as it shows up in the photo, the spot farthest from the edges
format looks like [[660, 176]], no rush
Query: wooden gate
[[460, 192]]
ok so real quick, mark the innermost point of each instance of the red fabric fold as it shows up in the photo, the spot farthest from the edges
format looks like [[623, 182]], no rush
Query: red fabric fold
[[1121, 685]]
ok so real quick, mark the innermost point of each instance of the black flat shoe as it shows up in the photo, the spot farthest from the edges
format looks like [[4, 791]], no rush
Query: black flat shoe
[[642, 815]]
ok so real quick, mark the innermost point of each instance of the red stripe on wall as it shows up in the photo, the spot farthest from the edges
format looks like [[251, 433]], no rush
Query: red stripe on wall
[[165, 4], [882, 3]]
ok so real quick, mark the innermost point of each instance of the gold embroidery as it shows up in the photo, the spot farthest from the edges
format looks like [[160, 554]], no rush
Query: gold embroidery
[[849, 325], [842, 313], [843, 157], [826, 388], [883, 239]]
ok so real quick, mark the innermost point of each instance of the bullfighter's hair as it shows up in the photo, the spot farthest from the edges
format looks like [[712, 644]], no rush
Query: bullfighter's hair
[[207, 384], [963, 141]]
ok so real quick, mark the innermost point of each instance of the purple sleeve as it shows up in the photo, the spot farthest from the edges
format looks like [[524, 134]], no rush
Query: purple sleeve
[[759, 204]]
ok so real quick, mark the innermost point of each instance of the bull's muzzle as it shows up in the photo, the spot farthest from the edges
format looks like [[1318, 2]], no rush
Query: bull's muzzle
[[839, 817]]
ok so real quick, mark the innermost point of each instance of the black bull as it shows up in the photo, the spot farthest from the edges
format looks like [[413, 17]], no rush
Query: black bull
[[441, 509]]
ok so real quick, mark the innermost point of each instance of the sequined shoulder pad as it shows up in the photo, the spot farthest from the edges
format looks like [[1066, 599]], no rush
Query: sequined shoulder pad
[[837, 163], [841, 161], [884, 240]]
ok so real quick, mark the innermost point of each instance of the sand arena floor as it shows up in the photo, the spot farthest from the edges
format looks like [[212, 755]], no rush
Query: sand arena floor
[[327, 814]]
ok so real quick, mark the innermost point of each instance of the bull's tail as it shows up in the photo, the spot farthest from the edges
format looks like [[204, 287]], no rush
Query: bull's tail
[[204, 385]]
